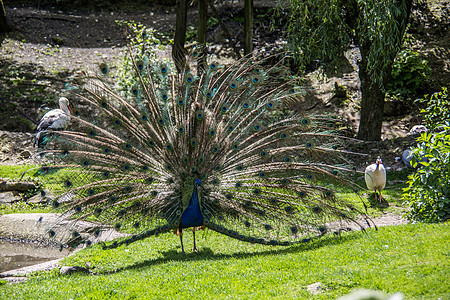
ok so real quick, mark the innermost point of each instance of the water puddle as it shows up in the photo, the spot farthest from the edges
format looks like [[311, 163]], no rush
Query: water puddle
[[15, 255]]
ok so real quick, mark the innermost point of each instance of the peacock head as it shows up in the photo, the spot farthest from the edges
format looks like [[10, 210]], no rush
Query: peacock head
[[379, 161]]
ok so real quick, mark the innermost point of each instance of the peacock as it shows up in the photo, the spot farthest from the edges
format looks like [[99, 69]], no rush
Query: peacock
[[209, 148]]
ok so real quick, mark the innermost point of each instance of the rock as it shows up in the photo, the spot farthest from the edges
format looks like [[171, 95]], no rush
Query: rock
[[14, 279], [315, 288], [35, 226], [58, 41], [66, 270], [6, 185], [417, 129], [26, 271], [25, 154], [5, 149], [43, 197], [363, 294], [394, 107], [8, 197]]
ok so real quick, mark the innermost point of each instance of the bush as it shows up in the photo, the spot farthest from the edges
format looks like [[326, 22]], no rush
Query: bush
[[428, 191], [409, 75], [437, 109], [142, 43]]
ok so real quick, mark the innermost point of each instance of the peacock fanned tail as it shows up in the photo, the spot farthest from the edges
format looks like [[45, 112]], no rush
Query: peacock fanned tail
[[184, 149]]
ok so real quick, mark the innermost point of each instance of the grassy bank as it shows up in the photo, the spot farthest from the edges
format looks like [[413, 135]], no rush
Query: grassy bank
[[412, 259], [52, 182]]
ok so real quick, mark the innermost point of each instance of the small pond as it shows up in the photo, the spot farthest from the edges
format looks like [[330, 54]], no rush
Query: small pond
[[15, 255]]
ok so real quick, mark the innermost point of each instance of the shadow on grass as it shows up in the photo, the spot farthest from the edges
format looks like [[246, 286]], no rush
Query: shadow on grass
[[377, 204], [206, 254]]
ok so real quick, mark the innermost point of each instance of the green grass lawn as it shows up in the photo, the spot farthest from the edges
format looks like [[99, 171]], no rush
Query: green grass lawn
[[412, 259], [52, 181]]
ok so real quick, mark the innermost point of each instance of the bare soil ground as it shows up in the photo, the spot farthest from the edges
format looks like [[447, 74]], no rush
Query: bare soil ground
[[49, 49]]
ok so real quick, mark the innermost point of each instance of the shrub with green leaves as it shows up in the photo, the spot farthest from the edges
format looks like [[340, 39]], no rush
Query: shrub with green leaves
[[409, 75], [142, 42], [437, 109], [428, 191]]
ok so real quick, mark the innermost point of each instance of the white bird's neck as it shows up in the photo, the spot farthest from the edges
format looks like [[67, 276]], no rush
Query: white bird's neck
[[63, 107]]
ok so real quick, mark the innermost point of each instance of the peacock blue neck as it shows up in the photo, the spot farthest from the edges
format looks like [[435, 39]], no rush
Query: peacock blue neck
[[192, 215]]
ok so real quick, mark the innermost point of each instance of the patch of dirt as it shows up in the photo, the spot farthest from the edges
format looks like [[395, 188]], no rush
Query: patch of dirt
[[50, 49], [84, 30], [16, 147]]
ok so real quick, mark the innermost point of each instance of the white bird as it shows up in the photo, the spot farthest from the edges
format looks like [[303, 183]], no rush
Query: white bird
[[407, 158], [56, 119], [375, 176]]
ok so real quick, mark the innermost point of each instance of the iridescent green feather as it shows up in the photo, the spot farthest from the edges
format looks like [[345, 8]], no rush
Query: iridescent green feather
[[131, 162]]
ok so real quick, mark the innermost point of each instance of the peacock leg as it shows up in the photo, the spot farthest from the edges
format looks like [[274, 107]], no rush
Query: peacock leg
[[193, 234], [181, 239]]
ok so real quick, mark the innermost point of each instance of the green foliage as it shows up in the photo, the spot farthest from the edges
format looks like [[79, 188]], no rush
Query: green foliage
[[53, 179], [212, 22], [380, 29], [24, 207], [428, 193], [437, 109], [191, 34], [142, 42], [410, 259], [315, 30], [322, 29], [410, 74], [14, 171]]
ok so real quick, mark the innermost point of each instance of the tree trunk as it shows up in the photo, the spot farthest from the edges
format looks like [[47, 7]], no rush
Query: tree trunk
[[201, 34], [372, 93], [372, 104], [248, 27], [178, 51], [4, 27]]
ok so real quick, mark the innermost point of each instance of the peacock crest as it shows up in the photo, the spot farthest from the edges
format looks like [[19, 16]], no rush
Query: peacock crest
[[199, 148]]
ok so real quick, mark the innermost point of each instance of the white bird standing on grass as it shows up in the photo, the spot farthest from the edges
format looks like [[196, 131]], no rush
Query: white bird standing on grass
[[375, 176], [56, 119]]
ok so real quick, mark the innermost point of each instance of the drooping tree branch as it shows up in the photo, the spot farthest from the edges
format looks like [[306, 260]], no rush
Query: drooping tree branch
[[323, 29]]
